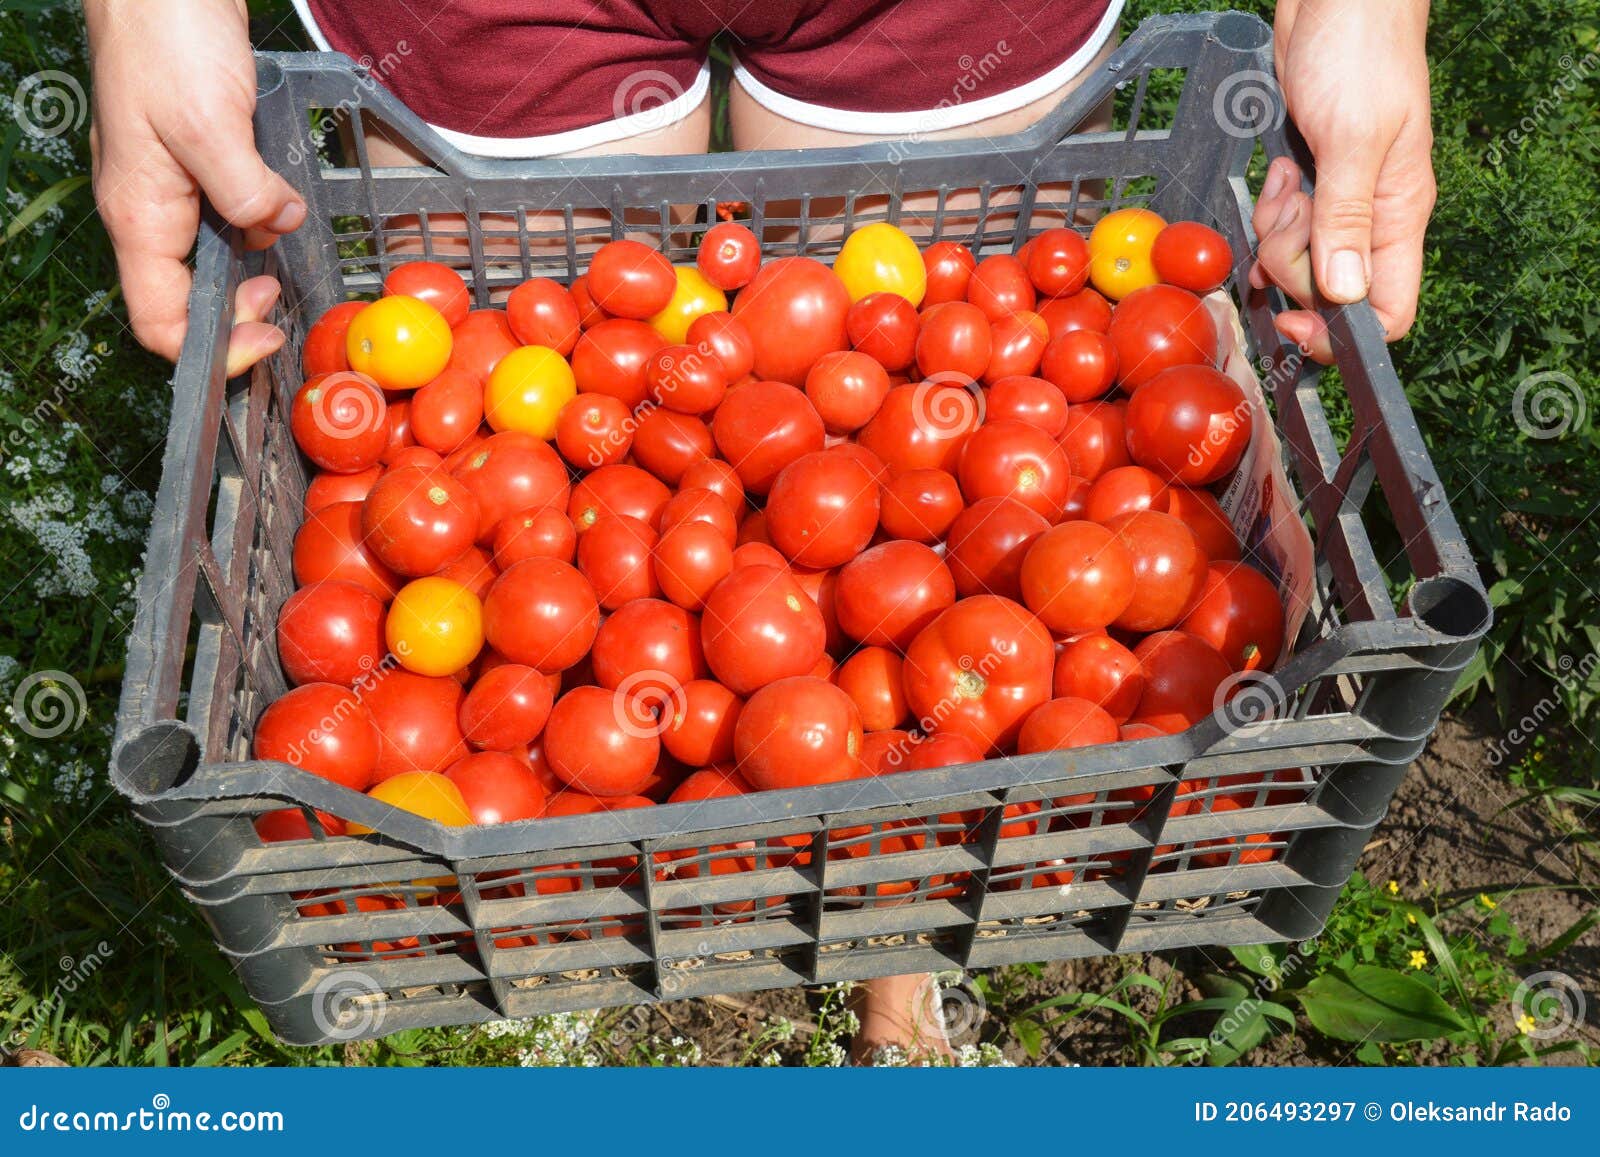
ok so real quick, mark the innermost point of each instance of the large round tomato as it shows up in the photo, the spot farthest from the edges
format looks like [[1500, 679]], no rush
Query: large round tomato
[[542, 613], [435, 626], [725, 337], [884, 327], [480, 341], [432, 282], [1058, 262], [330, 632], [1191, 255], [699, 731], [1095, 438], [1159, 327], [919, 505], [880, 258], [923, 426], [1204, 515], [689, 560], [686, 379], [1064, 723], [1238, 612], [594, 430], [399, 342], [1124, 490], [1077, 577], [321, 728], [887, 595], [797, 732], [610, 359], [1098, 668], [987, 544], [419, 722], [618, 491], [324, 348], [511, 473], [729, 255], [822, 509], [1011, 459], [527, 390], [692, 297], [761, 427], [1023, 398], [1190, 424], [1182, 676], [1119, 251], [629, 279], [341, 422], [795, 309], [667, 443], [497, 788], [978, 670], [1000, 286], [955, 338], [1082, 364], [542, 313], [874, 677], [614, 555], [417, 520], [447, 411], [507, 707], [846, 388], [1168, 569], [330, 545], [949, 267], [649, 648], [760, 626], [594, 744]]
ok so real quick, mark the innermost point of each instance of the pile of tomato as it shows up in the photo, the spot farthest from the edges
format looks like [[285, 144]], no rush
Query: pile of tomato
[[671, 533]]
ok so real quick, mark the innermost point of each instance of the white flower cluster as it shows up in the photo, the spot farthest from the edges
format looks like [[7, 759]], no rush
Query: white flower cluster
[[52, 519], [557, 1040]]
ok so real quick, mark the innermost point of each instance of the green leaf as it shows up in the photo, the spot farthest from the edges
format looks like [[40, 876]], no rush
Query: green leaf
[[1373, 1003], [1566, 940], [1029, 1034], [44, 202], [1261, 959]]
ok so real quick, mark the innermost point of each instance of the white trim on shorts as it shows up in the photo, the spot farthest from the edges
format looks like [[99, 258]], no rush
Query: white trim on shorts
[[606, 132], [945, 116]]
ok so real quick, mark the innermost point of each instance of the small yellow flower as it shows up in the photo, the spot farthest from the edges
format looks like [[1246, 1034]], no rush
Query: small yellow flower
[[1483, 898], [1526, 1024], [1394, 888], [1410, 918], [1538, 757], [1419, 958], [101, 348]]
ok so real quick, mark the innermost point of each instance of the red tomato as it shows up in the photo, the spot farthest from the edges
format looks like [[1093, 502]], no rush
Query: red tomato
[[321, 728], [542, 613], [762, 427], [727, 338], [614, 555], [287, 824], [1124, 490], [541, 312], [447, 411], [753, 532], [594, 430], [510, 473], [1192, 256], [823, 509], [417, 520], [1168, 569], [593, 745], [1058, 262], [1190, 424], [611, 358], [797, 732], [873, 678], [979, 669], [682, 378], [846, 387], [479, 343], [1082, 364], [432, 282], [497, 788], [1086, 309], [717, 476], [1077, 577], [621, 491], [1157, 327], [1098, 668], [888, 594], [884, 326], [323, 351], [1022, 398], [955, 338], [330, 545], [1064, 723], [341, 422], [729, 255], [923, 427], [506, 708], [649, 648], [758, 553], [1094, 439], [1238, 612], [795, 309], [325, 490], [589, 314], [419, 722], [1203, 514], [474, 570], [760, 626], [399, 438], [330, 632], [1182, 676], [667, 443], [414, 456], [885, 750], [689, 560], [1017, 345], [1011, 459], [700, 731], [987, 544], [690, 504], [629, 279], [1000, 286], [919, 505], [949, 266]]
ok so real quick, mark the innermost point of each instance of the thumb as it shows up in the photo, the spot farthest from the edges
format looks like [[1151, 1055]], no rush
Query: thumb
[[237, 181], [1341, 218]]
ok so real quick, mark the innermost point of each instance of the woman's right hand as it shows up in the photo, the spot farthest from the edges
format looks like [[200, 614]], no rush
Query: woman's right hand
[[174, 91]]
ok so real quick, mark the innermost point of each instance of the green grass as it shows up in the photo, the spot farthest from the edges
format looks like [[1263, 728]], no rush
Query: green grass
[[1514, 257]]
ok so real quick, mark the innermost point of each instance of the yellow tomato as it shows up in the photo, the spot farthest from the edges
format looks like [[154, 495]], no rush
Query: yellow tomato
[[879, 258], [526, 391], [435, 626], [399, 342], [693, 296], [425, 793], [1119, 251]]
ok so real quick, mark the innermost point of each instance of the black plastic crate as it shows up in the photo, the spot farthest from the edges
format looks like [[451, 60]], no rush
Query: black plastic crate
[[344, 937]]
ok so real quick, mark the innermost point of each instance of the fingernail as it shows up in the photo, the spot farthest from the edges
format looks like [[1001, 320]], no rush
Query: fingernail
[[1347, 275], [1287, 214], [289, 218], [1275, 181]]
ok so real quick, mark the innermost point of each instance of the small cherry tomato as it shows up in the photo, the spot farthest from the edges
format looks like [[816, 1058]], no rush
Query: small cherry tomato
[[1119, 251], [880, 258], [1159, 327], [340, 421], [416, 521], [447, 411], [399, 342], [594, 430], [435, 626], [1192, 256], [324, 349], [692, 297], [949, 267], [527, 390], [432, 282], [919, 505], [330, 632], [541, 312], [629, 279], [1058, 262], [1082, 364], [1077, 577], [884, 327], [846, 387], [729, 255], [321, 728]]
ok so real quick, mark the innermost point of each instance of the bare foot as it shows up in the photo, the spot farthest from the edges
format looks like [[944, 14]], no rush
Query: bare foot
[[900, 1012]]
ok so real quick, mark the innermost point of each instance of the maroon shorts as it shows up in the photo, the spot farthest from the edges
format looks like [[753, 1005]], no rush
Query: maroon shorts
[[520, 78]]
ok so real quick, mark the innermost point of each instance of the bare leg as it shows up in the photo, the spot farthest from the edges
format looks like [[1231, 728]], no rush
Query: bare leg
[[899, 1012]]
